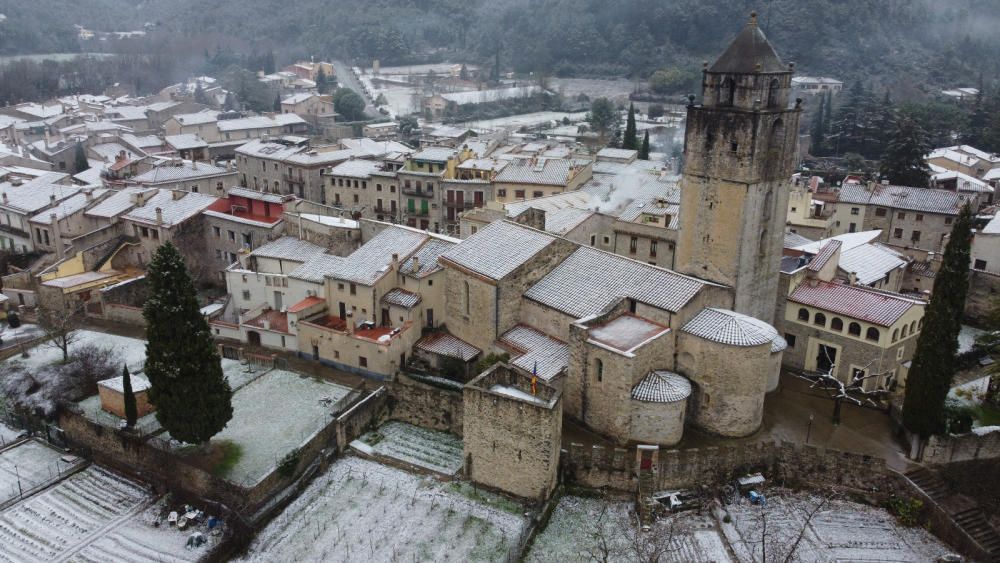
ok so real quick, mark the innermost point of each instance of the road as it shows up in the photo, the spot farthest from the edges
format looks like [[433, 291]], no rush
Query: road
[[346, 79]]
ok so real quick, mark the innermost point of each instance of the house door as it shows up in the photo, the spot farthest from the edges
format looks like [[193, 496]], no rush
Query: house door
[[343, 311], [253, 338], [277, 300], [385, 317], [826, 358], [646, 461], [430, 318]]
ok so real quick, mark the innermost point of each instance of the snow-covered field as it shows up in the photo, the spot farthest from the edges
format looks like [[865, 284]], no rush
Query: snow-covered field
[[274, 414], [430, 449], [8, 434], [27, 466], [131, 350], [839, 531], [585, 529], [90, 516], [362, 511]]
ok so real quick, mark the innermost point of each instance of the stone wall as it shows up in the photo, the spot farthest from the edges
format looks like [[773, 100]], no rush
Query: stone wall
[[423, 405], [984, 288], [124, 314], [362, 417], [983, 443]]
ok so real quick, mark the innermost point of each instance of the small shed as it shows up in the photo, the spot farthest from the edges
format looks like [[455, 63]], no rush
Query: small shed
[[113, 398]]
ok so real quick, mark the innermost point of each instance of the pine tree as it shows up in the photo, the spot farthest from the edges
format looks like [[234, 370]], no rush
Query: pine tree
[[277, 103], [322, 84], [199, 95], [80, 159], [934, 359], [631, 140], [644, 150], [192, 398], [819, 127], [131, 411], [903, 161]]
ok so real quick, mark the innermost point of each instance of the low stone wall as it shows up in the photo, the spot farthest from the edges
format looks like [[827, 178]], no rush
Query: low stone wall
[[425, 405], [983, 287], [982, 443], [124, 314], [361, 417], [598, 467]]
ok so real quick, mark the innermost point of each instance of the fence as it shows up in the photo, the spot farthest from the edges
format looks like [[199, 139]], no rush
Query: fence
[[40, 475]]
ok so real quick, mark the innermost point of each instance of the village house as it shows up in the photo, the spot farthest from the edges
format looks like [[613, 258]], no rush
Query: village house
[[310, 106], [364, 188], [965, 159], [419, 181], [241, 222], [188, 176], [224, 134], [175, 216], [540, 177], [54, 228], [21, 201], [813, 85]]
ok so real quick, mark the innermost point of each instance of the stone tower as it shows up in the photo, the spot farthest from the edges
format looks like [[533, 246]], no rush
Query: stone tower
[[739, 158]]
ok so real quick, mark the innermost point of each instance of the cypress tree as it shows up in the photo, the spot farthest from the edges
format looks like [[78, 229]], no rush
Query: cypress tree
[[819, 127], [277, 103], [131, 411], [631, 140], [933, 364], [193, 399], [80, 157], [644, 150], [903, 160]]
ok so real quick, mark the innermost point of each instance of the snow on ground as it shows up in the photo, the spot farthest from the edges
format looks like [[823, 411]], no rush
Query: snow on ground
[[64, 519], [839, 531], [29, 464], [274, 414], [580, 527], [131, 350], [13, 336], [967, 337], [524, 120], [8, 434], [430, 449], [362, 511]]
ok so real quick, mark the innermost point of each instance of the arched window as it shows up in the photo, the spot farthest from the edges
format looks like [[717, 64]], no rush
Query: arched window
[[895, 335], [872, 334], [837, 324], [803, 314], [773, 94], [466, 297], [854, 329], [920, 325], [762, 244], [905, 332], [725, 93], [819, 319], [599, 369], [913, 327]]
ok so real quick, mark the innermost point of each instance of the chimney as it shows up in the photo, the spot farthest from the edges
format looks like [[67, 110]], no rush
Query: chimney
[[416, 264], [52, 198], [177, 194], [853, 278], [89, 194], [267, 323], [395, 261], [350, 322], [5, 197], [159, 216], [871, 185]]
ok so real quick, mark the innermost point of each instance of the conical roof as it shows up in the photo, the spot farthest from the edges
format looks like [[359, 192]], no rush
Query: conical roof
[[750, 49]]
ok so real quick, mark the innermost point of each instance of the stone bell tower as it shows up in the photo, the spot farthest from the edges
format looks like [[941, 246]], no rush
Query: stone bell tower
[[739, 156]]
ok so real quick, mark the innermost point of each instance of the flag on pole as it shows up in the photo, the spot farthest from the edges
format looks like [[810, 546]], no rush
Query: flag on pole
[[534, 379]]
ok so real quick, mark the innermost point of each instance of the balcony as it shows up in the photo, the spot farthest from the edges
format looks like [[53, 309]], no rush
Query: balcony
[[464, 205], [419, 192], [415, 212], [293, 179]]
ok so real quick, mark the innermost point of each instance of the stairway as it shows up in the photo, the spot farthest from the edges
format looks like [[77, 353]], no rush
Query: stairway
[[971, 520]]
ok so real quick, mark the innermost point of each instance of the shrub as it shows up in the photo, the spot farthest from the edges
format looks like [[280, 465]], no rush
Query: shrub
[[289, 463], [906, 510]]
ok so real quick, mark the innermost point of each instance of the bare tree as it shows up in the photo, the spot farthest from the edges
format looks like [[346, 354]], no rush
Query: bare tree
[[61, 327], [649, 544], [852, 391], [779, 543]]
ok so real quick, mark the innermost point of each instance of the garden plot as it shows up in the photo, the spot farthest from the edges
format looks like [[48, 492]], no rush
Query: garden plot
[[67, 517], [8, 434], [362, 511], [274, 414], [132, 351], [839, 531], [28, 465], [582, 529], [430, 449]]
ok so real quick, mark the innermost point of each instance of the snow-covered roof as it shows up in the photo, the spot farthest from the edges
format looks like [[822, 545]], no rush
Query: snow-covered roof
[[565, 220], [289, 248], [186, 170], [368, 264], [356, 168], [824, 255], [201, 118], [185, 141], [35, 195], [117, 203], [590, 280], [620, 154], [498, 249], [330, 221], [256, 195], [260, 122], [993, 227], [871, 262], [729, 327], [626, 332], [548, 172], [535, 348], [317, 267], [434, 154], [488, 96], [847, 241], [877, 307], [444, 344], [575, 199], [662, 387], [426, 258], [963, 182], [68, 206], [794, 240], [904, 197], [401, 298], [176, 207]]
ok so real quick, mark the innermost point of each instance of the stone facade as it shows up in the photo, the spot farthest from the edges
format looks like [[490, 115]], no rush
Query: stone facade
[[983, 443], [512, 439]]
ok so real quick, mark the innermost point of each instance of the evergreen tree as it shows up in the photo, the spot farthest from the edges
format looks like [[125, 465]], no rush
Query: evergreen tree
[[131, 411], [192, 397], [903, 162], [322, 83], [644, 150], [819, 128], [277, 103], [854, 129], [884, 124], [631, 140], [934, 359], [80, 159], [603, 117], [199, 95]]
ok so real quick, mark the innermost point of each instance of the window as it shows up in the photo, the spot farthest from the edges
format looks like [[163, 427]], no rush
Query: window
[[354, 289], [392, 189], [599, 369], [652, 248], [803, 314], [901, 215], [790, 339], [143, 230], [247, 240], [948, 220], [593, 240], [378, 187], [906, 331], [915, 237], [895, 335], [502, 192], [920, 217], [362, 361], [837, 324], [218, 253], [872, 334], [356, 200], [474, 230], [607, 239], [232, 236], [819, 319], [880, 212], [194, 189], [465, 297], [979, 264], [156, 234], [537, 194], [519, 194], [897, 233], [734, 147], [633, 245], [854, 329], [855, 211], [913, 327], [340, 286], [246, 295]]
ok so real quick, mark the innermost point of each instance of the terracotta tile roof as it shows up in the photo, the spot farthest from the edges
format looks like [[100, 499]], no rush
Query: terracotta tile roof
[[876, 307], [535, 348], [444, 344], [306, 303], [278, 321], [824, 256], [729, 327], [498, 249], [662, 387], [401, 298]]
